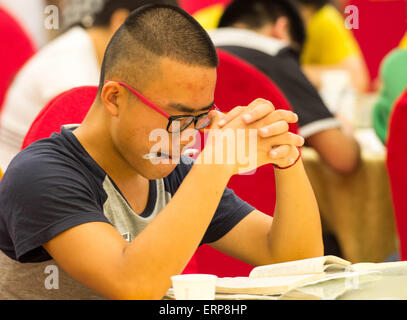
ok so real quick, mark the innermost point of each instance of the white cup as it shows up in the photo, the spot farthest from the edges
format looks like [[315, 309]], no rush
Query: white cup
[[194, 286]]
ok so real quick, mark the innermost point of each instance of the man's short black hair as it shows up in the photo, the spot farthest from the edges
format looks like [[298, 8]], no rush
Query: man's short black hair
[[150, 33], [102, 18], [257, 13], [316, 4]]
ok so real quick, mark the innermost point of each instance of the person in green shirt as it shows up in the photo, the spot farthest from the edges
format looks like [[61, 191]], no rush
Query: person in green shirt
[[393, 74]]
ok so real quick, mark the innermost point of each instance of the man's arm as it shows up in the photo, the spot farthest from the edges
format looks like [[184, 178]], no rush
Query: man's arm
[[96, 255], [294, 233], [337, 149]]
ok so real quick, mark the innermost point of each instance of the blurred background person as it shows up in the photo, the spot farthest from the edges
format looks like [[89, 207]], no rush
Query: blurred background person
[[330, 45], [269, 35], [73, 59], [393, 81], [403, 43], [206, 12]]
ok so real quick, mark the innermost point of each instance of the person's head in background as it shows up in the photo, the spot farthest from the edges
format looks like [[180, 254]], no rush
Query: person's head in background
[[309, 7], [278, 19], [164, 54], [102, 18]]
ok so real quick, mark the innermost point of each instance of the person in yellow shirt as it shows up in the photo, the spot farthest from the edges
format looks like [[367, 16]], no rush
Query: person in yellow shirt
[[209, 17], [330, 45], [403, 43]]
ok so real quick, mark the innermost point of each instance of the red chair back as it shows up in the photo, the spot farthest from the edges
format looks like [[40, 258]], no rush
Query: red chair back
[[192, 6], [396, 166], [390, 30], [15, 49], [239, 83], [68, 107]]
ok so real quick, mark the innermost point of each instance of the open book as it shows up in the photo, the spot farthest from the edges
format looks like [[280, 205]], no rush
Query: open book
[[299, 267], [278, 278]]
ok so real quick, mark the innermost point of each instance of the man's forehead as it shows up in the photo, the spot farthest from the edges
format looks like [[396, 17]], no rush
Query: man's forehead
[[188, 88], [171, 66]]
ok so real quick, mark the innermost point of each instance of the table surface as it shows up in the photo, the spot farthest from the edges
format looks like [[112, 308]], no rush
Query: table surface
[[357, 208], [386, 283], [376, 281]]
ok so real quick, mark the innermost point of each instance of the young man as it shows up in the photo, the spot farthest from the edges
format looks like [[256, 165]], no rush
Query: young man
[[73, 59], [269, 34], [78, 196]]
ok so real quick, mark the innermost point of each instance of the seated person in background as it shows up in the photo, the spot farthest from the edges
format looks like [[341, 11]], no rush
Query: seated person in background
[[209, 17], [88, 190], [403, 42], [329, 45], [393, 81], [71, 60], [268, 34]]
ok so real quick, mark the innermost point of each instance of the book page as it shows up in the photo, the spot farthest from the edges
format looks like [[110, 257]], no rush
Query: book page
[[265, 286], [381, 266], [336, 264], [298, 267]]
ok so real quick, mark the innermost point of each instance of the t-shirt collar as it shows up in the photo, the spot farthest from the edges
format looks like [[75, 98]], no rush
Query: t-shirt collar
[[248, 39]]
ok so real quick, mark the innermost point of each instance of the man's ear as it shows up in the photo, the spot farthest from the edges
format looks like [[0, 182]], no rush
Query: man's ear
[[117, 19], [280, 29], [110, 97]]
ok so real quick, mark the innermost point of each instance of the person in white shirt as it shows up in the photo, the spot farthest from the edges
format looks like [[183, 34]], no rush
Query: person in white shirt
[[71, 60]]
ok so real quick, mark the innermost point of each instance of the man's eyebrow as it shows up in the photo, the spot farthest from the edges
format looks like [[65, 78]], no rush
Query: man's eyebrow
[[182, 108]]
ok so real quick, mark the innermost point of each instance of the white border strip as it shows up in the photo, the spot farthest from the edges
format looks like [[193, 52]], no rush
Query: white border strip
[[319, 125], [247, 39]]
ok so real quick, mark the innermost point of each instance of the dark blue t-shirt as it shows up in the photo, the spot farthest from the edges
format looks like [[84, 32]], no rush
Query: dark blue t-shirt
[[54, 185]]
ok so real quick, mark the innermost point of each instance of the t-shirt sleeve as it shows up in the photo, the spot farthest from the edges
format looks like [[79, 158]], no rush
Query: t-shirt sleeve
[[40, 200], [230, 211]]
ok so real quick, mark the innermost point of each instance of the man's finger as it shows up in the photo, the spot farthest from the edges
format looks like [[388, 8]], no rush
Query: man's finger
[[281, 114], [274, 129], [215, 116], [232, 114], [280, 152], [258, 113], [287, 138]]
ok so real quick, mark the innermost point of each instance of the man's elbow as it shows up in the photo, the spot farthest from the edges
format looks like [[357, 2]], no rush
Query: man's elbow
[[128, 292], [346, 165], [133, 286]]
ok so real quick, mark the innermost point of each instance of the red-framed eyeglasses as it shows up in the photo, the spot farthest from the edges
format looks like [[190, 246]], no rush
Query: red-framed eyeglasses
[[175, 123]]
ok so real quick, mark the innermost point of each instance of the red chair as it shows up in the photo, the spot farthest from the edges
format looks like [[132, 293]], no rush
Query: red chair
[[239, 83], [192, 6], [15, 49], [68, 107], [390, 30], [396, 167]]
